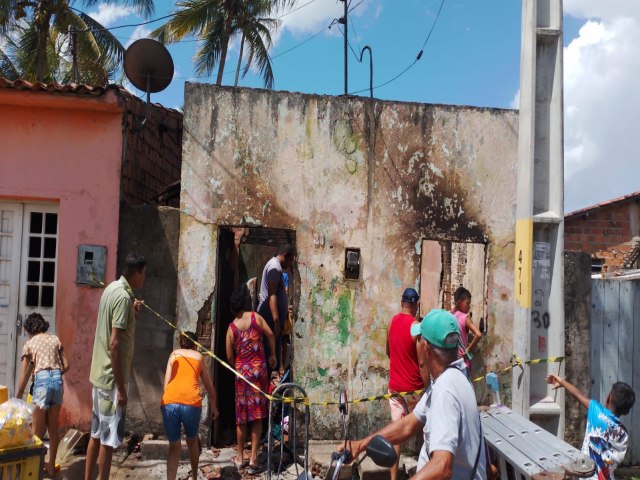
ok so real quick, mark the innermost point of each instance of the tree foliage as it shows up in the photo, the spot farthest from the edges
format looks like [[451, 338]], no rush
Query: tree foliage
[[215, 22]]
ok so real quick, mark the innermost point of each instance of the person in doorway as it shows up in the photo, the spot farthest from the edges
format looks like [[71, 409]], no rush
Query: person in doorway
[[274, 302], [182, 403], [111, 364], [404, 372], [462, 305], [43, 355], [453, 441], [245, 351], [606, 438]]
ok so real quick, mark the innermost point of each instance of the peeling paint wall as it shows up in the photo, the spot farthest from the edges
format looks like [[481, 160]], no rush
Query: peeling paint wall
[[348, 172]]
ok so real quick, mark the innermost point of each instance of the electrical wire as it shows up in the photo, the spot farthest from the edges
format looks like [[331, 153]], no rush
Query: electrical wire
[[130, 25], [418, 57], [355, 33]]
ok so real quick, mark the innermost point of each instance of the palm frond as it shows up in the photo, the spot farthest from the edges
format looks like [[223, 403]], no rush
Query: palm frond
[[141, 7], [258, 38], [193, 17], [7, 68]]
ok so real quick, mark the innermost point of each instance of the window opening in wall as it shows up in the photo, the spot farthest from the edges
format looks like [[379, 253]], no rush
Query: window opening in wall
[[242, 255]]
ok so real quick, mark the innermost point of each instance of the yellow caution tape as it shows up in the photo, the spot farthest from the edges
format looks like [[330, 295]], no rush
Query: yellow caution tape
[[305, 400]]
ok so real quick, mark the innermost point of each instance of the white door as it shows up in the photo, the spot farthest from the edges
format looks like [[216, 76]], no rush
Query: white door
[[35, 257], [10, 247]]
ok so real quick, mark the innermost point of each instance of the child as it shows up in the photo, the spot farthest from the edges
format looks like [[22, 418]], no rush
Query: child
[[43, 354], [182, 402], [605, 439], [462, 304]]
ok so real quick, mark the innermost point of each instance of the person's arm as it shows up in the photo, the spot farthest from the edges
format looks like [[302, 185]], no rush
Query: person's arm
[[272, 287], [396, 433], [231, 356], [388, 351], [116, 365], [477, 334], [558, 382], [211, 391], [264, 326], [27, 368], [64, 361], [439, 467], [168, 371]]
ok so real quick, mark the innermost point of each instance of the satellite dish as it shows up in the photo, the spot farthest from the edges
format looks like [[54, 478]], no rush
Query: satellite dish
[[149, 67]]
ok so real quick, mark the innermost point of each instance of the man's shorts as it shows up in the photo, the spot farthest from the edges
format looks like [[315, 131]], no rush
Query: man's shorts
[[107, 420], [175, 415], [47, 389], [402, 406]]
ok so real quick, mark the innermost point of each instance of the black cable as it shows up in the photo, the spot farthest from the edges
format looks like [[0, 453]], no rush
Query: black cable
[[418, 57], [355, 33], [350, 47]]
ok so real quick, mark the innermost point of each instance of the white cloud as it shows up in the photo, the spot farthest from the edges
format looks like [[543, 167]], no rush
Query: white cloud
[[313, 17], [140, 32], [515, 101], [602, 66], [109, 13]]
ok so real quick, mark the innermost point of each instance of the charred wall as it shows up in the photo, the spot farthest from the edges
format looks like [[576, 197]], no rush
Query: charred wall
[[348, 172]]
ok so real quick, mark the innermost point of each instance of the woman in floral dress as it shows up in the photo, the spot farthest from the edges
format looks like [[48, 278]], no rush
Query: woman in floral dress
[[245, 351]]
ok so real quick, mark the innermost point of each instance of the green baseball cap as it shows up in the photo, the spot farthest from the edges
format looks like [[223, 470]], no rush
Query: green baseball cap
[[437, 328]]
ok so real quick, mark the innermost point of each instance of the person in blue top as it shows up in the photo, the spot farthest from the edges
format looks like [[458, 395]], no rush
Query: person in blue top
[[606, 438]]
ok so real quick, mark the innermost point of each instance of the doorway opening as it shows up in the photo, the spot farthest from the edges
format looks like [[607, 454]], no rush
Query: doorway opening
[[242, 255], [447, 265]]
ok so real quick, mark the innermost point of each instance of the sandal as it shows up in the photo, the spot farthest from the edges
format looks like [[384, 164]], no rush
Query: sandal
[[254, 469], [239, 465]]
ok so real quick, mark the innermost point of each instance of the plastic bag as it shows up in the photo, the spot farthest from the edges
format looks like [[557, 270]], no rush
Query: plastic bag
[[15, 423]]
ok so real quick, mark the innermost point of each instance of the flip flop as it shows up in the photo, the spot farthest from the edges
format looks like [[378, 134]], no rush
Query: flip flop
[[254, 469], [239, 465]]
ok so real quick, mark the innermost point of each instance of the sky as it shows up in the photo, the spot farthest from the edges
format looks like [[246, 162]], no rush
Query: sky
[[472, 57]]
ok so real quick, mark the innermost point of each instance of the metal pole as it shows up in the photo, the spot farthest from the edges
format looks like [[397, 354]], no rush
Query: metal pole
[[74, 54], [346, 45]]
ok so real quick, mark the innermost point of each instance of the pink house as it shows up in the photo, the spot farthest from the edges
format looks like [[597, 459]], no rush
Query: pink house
[[71, 156]]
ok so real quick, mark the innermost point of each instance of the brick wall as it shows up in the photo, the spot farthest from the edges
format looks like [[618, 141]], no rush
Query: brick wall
[[605, 232], [153, 154]]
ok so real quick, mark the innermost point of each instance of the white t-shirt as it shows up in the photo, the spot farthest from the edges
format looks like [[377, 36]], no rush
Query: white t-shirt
[[453, 423]]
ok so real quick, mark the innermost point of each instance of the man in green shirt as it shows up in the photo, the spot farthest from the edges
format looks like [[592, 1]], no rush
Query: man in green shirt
[[111, 364]]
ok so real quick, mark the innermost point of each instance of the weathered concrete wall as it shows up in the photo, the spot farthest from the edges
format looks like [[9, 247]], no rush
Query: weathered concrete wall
[[153, 232], [577, 315], [347, 172]]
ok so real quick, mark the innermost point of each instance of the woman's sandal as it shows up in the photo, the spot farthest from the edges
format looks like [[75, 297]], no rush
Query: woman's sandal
[[254, 469], [239, 465]]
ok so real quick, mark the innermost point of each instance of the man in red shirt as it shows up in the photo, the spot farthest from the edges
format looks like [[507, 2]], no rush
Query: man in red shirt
[[404, 372]]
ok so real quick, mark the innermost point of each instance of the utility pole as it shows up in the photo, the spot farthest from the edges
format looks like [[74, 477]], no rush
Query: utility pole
[[343, 21], [538, 330]]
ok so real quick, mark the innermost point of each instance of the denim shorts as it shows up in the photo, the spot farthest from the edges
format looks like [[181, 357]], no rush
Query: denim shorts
[[47, 389], [175, 414]]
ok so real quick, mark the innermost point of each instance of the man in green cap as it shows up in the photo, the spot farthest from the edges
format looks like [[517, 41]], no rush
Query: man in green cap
[[447, 412]]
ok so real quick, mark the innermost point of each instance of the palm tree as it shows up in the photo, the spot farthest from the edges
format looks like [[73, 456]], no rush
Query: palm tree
[[38, 34], [215, 22]]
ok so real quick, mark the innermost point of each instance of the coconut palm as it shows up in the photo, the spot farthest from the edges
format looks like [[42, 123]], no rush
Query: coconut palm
[[215, 22], [37, 41]]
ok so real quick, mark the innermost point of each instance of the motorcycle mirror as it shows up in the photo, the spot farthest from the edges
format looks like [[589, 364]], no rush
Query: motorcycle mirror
[[382, 452], [343, 404]]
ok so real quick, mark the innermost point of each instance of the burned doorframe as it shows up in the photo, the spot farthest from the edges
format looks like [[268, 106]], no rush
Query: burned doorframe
[[241, 256]]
